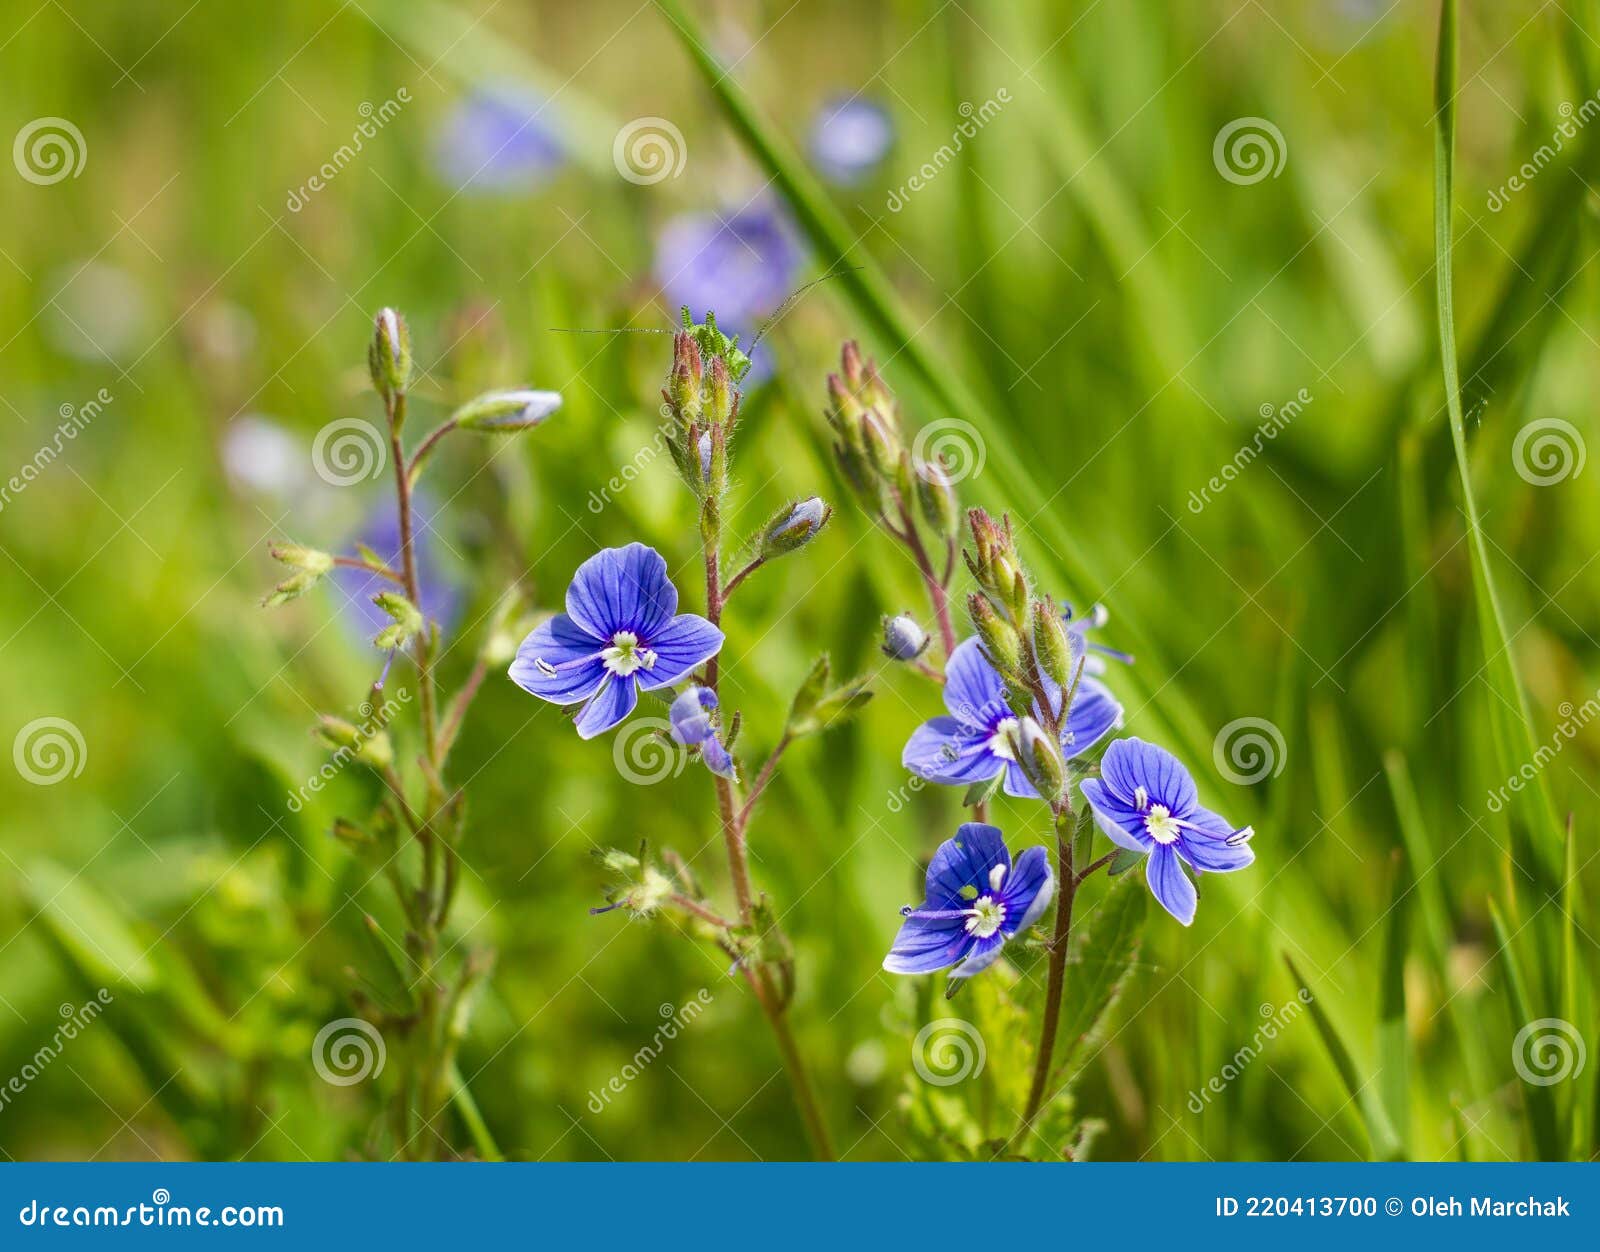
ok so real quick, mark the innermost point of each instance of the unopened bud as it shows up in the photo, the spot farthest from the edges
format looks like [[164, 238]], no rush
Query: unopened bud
[[903, 638], [1040, 758], [936, 495], [998, 636], [406, 619], [389, 357], [1052, 646], [502, 412], [795, 527]]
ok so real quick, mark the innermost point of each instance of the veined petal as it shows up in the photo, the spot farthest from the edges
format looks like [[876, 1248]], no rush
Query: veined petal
[[622, 589], [1028, 890], [965, 861], [611, 704], [1095, 713], [923, 946], [1169, 884], [982, 954], [973, 691], [1120, 821], [558, 661], [1203, 843], [945, 751], [679, 645], [1017, 784], [1132, 763]]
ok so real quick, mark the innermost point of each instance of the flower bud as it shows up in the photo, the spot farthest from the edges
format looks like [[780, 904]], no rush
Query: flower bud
[[903, 638], [407, 619], [705, 448], [998, 636], [794, 527], [308, 559], [337, 733], [1052, 645], [1040, 758], [936, 496], [994, 564], [502, 412], [389, 356], [691, 715]]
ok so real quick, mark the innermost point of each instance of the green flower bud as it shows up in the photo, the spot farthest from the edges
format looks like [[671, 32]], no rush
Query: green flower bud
[[794, 527], [337, 733], [936, 496], [502, 412], [1052, 646], [999, 637], [903, 638], [376, 751], [1040, 758], [407, 619], [389, 356]]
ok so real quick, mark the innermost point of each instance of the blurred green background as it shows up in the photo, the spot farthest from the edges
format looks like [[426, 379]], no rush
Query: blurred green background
[[1118, 311]]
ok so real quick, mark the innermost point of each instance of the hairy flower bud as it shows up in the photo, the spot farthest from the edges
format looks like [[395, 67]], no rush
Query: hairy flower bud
[[502, 412], [1052, 645], [999, 637], [936, 496], [903, 638], [407, 619], [794, 527], [1040, 758], [389, 356], [994, 563]]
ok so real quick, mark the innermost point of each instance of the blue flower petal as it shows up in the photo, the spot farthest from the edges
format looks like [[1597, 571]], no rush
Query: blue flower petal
[[983, 953], [945, 751], [611, 704], [1095, 713], [571, 668], [1169, 884], [1028, 890], [1207, 848], [718, 760], [973, 691], [622, 589], [1017, 783], [1121, 822], [923, 946], [679, 645], [690, 715], [1132, 763], [965, 861]]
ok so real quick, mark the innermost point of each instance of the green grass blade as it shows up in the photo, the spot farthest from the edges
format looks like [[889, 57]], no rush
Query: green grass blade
[[1383, 1143], [1537, 810], [1393, 1045], [1538, 1102]]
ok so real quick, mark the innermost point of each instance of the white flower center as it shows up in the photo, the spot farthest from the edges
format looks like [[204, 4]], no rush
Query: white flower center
[[1163, 827], [997, 741], [625, 656], [985, 917]]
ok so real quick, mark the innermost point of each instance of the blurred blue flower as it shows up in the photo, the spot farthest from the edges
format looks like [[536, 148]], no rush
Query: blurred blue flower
[[1145, 801], [621, 632], [971, 744], [1079, 628], [850, 137], [500, 138], [442, 590], [976, 900], [741, 267]]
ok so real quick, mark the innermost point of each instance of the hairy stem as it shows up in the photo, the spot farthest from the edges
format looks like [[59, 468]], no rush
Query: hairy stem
[[1058, 966]]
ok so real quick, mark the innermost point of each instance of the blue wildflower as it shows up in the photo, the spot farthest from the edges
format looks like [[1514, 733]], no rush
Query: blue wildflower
[[976, 900], [498, 139], [621, 633], [849, 138], [971, 744], [1079, 627], [1145, 801], [694, 725]]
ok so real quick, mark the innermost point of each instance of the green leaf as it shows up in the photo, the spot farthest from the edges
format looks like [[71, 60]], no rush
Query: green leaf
[[1393, 1045], [980, 791], [89, 929], [1122, 860], [1382, 1142]]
